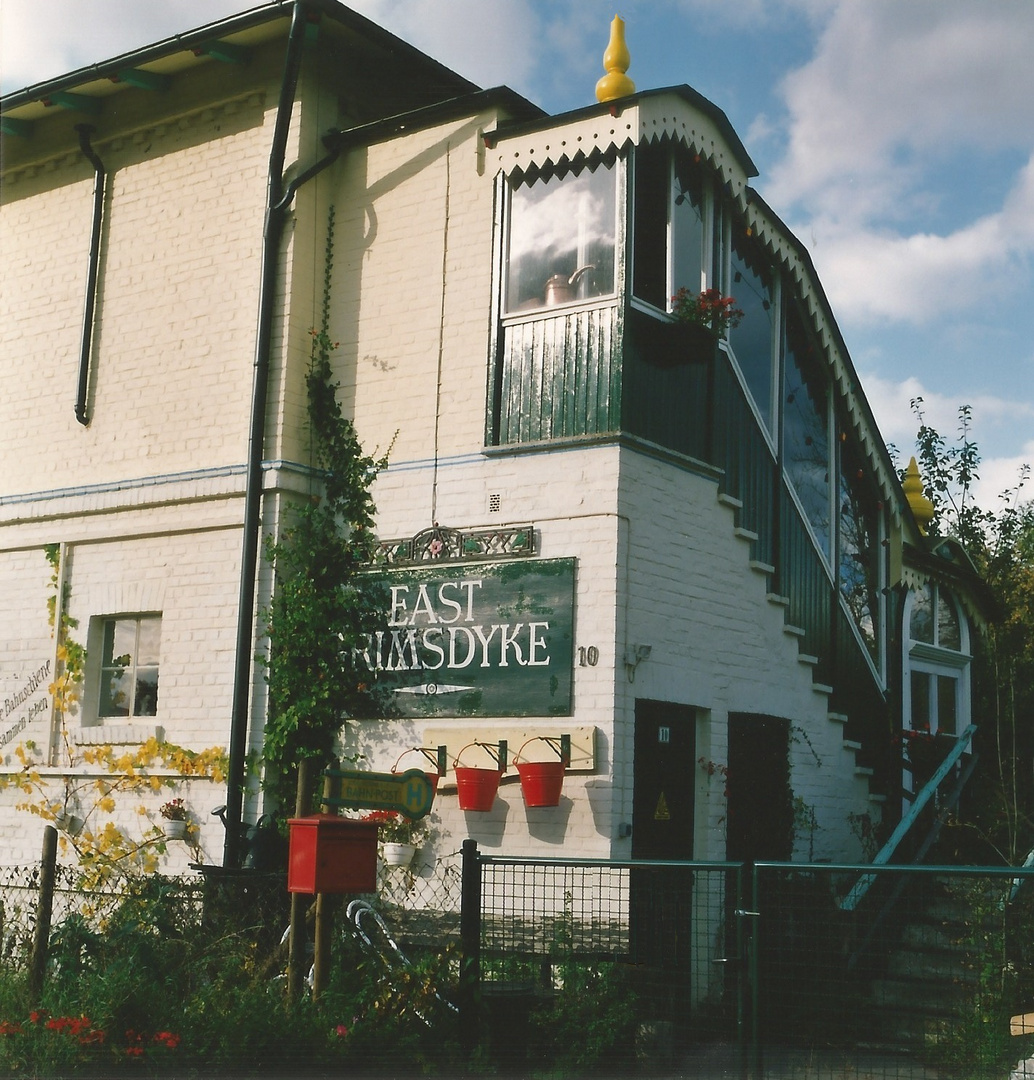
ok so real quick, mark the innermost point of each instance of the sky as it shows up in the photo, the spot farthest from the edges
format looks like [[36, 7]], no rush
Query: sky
[[895, 138]]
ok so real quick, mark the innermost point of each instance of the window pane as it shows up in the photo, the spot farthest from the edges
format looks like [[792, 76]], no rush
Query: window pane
[[947, 710], [948, 634], [146, 701], [149, 642], [921, 625], [562, 235], [650, 224], [859, 560], [806, 433], [119, 642], [920, 701], [752, 340], [114, 700], [687, 227]]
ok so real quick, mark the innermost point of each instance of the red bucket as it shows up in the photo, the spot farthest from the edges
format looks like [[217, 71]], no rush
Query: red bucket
[[477, 788], [541, 782]]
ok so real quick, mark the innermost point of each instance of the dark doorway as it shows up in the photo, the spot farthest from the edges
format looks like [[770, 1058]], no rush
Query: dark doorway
[[661, 898], [760, 800], [663, 781]]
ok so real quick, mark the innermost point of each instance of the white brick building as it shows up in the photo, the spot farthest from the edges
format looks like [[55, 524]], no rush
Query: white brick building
[[747, 627]]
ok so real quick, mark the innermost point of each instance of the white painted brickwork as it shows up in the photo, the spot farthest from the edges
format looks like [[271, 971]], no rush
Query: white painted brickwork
[[174, 341], [720, 646]]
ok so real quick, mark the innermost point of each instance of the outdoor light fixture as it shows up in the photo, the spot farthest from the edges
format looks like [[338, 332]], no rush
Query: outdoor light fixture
[[634, 656]]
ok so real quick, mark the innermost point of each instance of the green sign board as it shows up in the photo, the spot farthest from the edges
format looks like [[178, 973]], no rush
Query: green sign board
[[476, 639], [410, 793]]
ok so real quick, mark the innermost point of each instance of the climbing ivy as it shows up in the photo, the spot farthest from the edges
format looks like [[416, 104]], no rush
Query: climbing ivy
[[322, 606]]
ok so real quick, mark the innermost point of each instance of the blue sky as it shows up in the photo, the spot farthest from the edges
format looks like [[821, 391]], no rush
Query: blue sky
[[896, 139]]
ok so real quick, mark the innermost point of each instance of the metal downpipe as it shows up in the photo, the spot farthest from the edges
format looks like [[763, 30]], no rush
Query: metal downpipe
[[276, 212], [86, 337]]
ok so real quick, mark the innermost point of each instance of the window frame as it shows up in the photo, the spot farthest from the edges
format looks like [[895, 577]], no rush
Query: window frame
[[97, 670], [510, 185], [933, 660]]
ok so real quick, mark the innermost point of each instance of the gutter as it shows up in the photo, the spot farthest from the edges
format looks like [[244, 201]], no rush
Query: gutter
[[86, 337]]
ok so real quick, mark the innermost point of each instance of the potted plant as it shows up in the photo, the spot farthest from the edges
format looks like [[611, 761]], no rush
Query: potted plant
[[399, 836], [713, 314], [176, 819]]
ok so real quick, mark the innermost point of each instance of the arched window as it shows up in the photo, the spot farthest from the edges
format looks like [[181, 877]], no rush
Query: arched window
[[936, 663]]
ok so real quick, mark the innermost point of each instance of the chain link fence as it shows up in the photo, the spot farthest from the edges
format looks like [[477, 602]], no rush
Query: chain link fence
[[575, 967]]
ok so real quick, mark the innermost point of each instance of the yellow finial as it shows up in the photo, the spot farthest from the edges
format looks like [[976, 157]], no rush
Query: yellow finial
[[616, 59], [922, 508]]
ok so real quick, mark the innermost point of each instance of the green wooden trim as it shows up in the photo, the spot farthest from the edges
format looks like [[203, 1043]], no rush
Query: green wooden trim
[[78, 102], [225, 51], [144, 80], [10, 125]]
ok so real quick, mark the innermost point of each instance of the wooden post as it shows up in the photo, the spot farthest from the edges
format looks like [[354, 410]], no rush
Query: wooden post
[[324, 911], [296, 937], [44, 911]]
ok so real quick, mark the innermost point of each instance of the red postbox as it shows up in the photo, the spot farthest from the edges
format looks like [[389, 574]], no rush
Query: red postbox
[[331, 854]]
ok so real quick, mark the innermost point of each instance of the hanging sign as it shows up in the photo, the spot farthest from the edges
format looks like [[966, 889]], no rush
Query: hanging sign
[[410, 793], [481, 639]]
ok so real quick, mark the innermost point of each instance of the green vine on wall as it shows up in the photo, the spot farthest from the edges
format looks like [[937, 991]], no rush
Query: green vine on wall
[[322, 606]]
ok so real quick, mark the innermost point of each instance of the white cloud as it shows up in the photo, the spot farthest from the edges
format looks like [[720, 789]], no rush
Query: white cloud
[[890, 80], [894, 99], [890, 402]]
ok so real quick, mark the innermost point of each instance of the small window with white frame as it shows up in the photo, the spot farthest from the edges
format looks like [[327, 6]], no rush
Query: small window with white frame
[[937, 662], [127, 684]]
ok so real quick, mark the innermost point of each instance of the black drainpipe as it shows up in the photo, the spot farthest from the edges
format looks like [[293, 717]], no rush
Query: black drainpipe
[[86, 338], [278, 200]]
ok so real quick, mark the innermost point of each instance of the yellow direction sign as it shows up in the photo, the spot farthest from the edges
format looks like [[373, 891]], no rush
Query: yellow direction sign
[[410, 793]]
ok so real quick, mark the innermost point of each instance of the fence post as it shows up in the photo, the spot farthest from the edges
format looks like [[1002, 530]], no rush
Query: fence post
[[470, 944], [44, 910], [296, 937]]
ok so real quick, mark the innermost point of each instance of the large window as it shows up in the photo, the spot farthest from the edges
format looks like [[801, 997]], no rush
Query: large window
[[807, 449], [753, 341], [937, 663], [670, 224], [860, 569], [563, 230], [129, 666]]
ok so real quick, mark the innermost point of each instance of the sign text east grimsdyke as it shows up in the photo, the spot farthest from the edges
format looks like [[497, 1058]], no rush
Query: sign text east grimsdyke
[[495, 639]]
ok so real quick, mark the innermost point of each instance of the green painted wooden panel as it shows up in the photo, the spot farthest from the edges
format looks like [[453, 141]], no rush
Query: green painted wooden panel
[[804, 580], [560, 376], [666, 381], [742, 452]]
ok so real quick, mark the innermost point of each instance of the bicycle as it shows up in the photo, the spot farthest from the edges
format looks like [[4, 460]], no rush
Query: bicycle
[[368, 926]]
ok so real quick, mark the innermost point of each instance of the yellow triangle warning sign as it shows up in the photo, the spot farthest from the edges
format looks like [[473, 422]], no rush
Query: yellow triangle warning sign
[[662, 813]]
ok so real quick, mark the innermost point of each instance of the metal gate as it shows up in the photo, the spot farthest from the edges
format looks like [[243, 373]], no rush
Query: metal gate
[[769, 974]]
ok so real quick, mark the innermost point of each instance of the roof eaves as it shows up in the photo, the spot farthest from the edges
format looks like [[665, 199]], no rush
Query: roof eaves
[[428, 115], [511, 128], [223, 28]]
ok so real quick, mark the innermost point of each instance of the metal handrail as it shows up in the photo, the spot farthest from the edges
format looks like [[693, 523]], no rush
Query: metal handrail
[[851, 901]]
